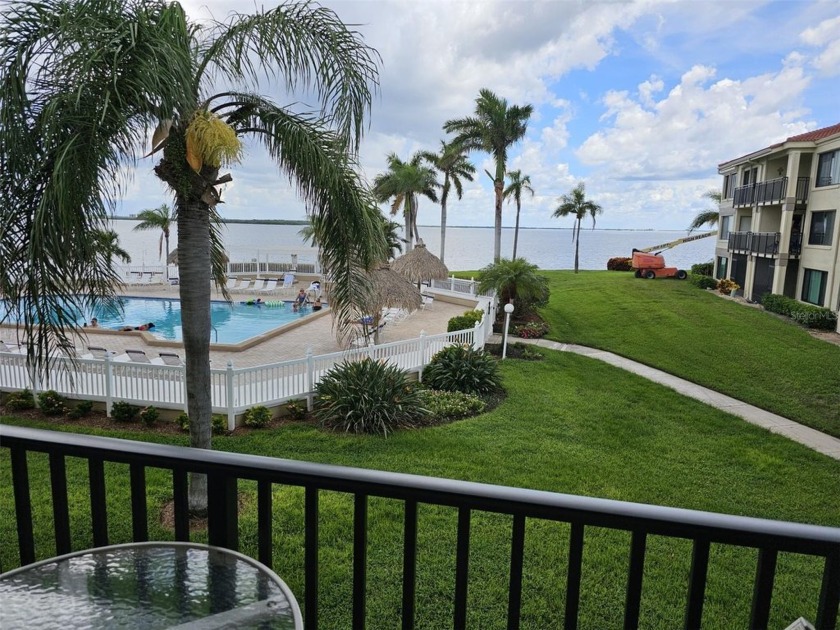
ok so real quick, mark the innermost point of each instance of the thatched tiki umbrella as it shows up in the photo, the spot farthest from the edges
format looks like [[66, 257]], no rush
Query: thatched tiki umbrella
[[389, 290], [420, 265]]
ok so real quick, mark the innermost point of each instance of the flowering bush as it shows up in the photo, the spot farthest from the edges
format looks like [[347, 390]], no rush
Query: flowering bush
[[52, 403], [531, 330], [727, 286], [451, 405]]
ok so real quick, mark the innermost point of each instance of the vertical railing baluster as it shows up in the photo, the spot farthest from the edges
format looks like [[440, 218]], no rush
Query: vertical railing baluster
[[697, 584], [829, 606], [23, 506], [264, 542], [98, 507], [763, 590], [360, 505], [222, 511], [635, 574], [139, 515], [462, 563], [61, 509], [311, 558], [180, 505], [409, 564], [517, 551], [573, 578]]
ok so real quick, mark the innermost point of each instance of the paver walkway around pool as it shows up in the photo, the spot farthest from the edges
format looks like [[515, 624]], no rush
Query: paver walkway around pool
[[811, 438]]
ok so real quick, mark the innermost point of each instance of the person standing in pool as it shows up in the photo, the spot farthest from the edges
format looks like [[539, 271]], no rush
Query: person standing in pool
[[301, 298]]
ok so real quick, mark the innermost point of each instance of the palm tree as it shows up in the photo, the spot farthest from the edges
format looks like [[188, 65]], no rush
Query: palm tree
[[453, 165], [708, 217], [515, 280], [404, 182], [81, 85], [494, 128], [577, 205], [108, 246], [518, 184], [160, 218]]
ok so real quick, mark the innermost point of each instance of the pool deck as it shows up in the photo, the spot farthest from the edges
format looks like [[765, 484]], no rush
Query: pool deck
[[317, 334]]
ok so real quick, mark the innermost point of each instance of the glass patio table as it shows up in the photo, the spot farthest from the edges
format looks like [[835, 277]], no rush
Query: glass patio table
[[147, 585]]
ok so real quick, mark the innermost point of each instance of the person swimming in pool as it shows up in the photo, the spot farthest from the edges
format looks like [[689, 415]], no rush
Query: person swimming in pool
[[257, 302], [148, 326], [300, 300]]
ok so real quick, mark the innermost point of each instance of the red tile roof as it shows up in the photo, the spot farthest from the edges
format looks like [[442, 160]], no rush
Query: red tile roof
[[810, 136]]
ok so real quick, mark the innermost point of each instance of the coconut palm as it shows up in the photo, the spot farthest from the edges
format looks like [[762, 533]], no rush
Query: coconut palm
[[515, 280], [108, 245], [494, 128], [708, 217], [160, 218], [518, 184], [577, 205], [403, 183], [453, 165], [81, 85]]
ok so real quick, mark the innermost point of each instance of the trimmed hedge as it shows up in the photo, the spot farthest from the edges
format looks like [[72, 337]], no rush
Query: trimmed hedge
[[704, 282], [620, 264], [465, 321], [704, 269], [806, 314]]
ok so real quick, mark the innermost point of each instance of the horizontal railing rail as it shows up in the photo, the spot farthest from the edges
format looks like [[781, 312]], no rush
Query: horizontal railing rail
[[225, 470]]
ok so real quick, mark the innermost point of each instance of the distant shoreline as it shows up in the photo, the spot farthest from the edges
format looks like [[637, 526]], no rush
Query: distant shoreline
[[248, 221]]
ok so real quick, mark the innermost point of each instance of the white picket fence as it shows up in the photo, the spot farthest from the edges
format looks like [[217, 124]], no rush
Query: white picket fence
[[233, 390]]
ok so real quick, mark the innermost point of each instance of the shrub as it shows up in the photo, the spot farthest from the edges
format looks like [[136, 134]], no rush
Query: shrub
[[84, 407], [218, 423], [620, 264], [805, 314], [257, 417], [149, 415], [297, 409], [52, 403], [704, 282], [367, 396], [451, 405], [465, 321], [183, 421], [704, 269], [122, 411], [727, 286], [462, 369], [18, 401], [531, 330]]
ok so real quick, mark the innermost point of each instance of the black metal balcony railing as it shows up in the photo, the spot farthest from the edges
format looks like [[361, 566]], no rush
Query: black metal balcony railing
[[224, 470], [772, 191], [744, 196], [765, 244], [802, 184]]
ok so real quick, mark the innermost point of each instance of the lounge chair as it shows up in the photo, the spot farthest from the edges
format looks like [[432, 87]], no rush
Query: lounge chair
[[68, 350], [12, 348], [244, 286], [231, 284], [259, 283], [170, 358], [97, 352], [137, 356], [428, 300], [270, 287]]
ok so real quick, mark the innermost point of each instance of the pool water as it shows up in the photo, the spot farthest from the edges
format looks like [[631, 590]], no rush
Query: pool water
[[231, 323]]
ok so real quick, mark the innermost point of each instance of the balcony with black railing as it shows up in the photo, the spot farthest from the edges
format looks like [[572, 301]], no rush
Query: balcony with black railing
[[762, 244], [771, 192], [744, 196], [709, 535], [802, 184]]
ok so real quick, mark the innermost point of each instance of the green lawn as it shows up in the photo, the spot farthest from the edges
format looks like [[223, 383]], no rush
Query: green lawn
[[674, 326], [570, 424]]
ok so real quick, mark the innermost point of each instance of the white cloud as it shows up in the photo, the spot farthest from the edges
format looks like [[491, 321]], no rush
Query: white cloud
[[825, 35]]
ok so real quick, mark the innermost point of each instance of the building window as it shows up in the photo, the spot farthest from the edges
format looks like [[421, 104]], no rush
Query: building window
[[725, 223], [729, 185], [813, 286], [822, 228], [722, 264], [828, 169]]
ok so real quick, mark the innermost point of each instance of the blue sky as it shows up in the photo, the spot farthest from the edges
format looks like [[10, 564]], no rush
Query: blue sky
[[638, 100]]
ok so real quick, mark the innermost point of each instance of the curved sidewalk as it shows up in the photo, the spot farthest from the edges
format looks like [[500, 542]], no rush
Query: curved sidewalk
[[820, 442]]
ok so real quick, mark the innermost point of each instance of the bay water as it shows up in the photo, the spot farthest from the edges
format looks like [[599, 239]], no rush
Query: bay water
[[466, 247]]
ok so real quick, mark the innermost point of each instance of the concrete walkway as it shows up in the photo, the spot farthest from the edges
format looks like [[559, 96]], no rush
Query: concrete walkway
[[820, 442]]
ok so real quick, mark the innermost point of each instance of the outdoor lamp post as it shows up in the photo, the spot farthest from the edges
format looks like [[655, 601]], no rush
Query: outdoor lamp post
[[508, 311]]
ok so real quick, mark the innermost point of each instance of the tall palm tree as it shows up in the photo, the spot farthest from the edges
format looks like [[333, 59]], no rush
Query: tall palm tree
[[452, 163], [81, 85], [577, 205], [494, 128], [708, 217], [518, 184], [403, 183], [160, 218]]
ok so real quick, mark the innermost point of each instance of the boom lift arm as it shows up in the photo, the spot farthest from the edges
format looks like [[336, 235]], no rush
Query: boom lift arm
[[666, 246]]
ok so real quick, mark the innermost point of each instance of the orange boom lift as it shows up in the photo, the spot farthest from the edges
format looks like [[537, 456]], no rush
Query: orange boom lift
[[650, 266]]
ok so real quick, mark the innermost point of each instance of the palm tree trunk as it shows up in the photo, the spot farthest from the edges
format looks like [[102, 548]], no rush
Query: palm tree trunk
[[499, 186], [195, 265], [442, 227], [409, 226], [577, 243], [516, 231]]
